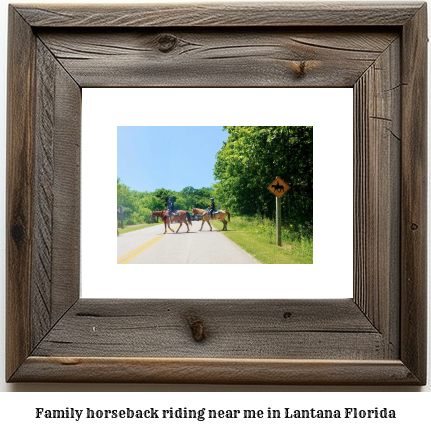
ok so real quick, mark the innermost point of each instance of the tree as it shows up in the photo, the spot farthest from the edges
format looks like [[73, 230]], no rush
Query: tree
[[153, 202], [163, 195], [125, 198], [253, 156], [188, 194], [138, 205]]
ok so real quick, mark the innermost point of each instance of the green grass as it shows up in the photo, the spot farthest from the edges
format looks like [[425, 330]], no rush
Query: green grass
[[136, 227], [257, 237]]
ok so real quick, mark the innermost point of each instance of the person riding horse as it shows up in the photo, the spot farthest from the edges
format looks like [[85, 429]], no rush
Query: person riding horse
[[211, 208], [171, 208]]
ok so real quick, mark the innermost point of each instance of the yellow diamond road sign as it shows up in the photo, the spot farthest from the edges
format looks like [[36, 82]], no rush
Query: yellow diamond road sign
[[278, 187]]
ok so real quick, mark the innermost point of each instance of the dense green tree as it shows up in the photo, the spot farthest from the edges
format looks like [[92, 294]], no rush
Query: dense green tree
[[152, 202], [252, 157], [125, 198], [201, 197], [188, 194], [163, 195]]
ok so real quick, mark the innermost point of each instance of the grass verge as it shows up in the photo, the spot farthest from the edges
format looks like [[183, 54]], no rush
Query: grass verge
[[133, 228], [257, 237]]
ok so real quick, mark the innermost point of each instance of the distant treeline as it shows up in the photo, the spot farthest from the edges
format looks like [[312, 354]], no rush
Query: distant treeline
[[139, 205], [248, 162]]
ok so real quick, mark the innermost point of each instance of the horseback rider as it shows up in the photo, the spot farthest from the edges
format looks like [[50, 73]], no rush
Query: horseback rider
[[171, 208], [211, 208]]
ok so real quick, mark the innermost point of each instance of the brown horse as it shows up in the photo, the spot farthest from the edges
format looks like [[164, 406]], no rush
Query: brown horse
[[162, 215], [182, 217], [222, 215]]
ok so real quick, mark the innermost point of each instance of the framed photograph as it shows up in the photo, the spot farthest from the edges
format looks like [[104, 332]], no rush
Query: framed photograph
[[377, 337], [128, 128]]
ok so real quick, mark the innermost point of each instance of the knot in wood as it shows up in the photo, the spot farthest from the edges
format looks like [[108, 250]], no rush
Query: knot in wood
[[167, 42], [300, 69], [197, 328], [414, 226], [18, 233]]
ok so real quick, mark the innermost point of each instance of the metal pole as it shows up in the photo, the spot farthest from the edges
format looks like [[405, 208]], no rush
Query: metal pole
[[278, 220], [121, 217]]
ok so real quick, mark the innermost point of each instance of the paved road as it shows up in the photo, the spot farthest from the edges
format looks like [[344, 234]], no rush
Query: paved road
[[150, 245]]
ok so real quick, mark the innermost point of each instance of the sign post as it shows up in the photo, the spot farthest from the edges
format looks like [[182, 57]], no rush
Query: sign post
[[120, 210], [278, 187], [278, 221]]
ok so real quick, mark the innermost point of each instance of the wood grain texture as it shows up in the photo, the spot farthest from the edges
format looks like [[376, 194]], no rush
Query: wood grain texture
[[43, 194], [215, 371], [378, 338], [227, 58], [55, 278], [220, 14], [19, 195], [66, 208], [414, 195], [233, 329], [377, 149]]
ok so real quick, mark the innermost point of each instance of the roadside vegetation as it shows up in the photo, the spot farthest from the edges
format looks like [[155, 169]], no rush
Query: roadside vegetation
[[257, 237], [251, 159], [134, 227]]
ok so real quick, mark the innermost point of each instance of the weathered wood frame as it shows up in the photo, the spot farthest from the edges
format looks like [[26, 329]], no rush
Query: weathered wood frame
[[378, 337]]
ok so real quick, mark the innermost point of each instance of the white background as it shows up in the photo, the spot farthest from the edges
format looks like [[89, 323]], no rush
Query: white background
[[329, 111], [18, 408]]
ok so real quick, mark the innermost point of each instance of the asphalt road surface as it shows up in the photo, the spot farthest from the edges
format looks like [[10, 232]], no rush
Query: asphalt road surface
[[150, 245]]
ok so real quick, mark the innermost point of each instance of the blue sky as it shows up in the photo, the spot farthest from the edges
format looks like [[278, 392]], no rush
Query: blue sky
[[170, 157]]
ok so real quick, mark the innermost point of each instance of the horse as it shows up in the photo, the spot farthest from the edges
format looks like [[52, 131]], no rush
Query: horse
[[162, 215], [182, 217], [278, 187], [219, 216]]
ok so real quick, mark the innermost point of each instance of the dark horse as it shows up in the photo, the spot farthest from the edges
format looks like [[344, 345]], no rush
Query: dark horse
[[182, 217]]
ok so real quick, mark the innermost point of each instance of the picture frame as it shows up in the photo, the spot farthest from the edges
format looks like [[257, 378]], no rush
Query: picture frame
[[376, 338]]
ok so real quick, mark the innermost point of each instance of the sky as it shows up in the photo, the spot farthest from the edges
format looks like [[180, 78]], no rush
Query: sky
[[170, 157]]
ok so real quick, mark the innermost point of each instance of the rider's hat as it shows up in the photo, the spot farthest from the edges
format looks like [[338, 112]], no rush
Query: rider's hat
[[212, 199]]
